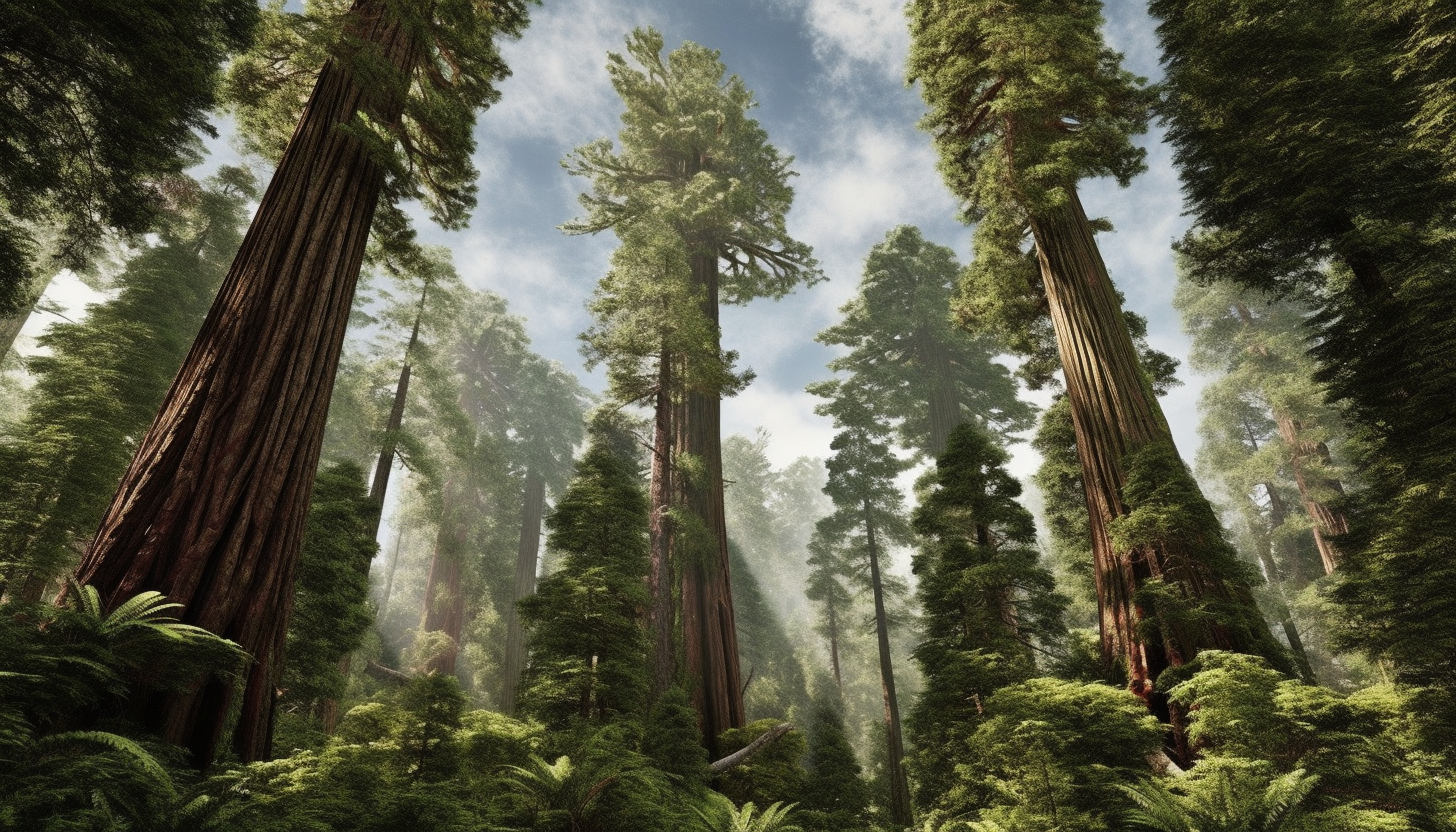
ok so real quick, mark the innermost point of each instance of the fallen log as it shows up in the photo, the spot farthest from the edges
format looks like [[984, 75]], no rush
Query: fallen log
[[387, 675], [743, 754]]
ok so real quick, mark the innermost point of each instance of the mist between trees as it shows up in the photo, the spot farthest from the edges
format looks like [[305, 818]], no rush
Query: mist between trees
[[298, 530]]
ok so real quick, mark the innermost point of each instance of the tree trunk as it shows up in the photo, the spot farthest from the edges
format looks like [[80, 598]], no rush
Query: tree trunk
[[11, 325], [900, 813], [379, 487], [211, 511], [1115, 414], [515, 659], [710, 637], [329, 708], [660, 530], [444, 592], [1325, 522], [1275, 578]]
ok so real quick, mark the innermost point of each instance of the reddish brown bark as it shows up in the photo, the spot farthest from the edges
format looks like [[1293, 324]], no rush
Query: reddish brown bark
[[211, 511], [1115, 413], [900, 813], [533, 507], [1305, 459], [710, 636]]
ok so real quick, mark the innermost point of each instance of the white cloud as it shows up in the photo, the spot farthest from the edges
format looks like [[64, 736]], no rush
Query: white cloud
[[558, 85], [849, 34], [789, 417]]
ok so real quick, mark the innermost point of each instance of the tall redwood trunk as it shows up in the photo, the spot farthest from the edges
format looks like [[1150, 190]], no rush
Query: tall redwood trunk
[[526, 556], [444, 592], [1325, 522], [710, 637], [1115, 413], [900, 813], [660, 527], [211, 511]]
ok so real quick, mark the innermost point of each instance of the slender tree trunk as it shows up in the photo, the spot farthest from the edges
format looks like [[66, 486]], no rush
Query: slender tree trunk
[[1325, 522], [900, 813], [660, 530], [526, 554], [1115, 414], [444, 593], [11, 325], [389, 578], [211, 511], [710, 637], [378, 488], [1275, 579]]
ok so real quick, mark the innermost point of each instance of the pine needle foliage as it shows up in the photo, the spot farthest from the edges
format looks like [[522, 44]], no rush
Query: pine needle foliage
[[101, 103]]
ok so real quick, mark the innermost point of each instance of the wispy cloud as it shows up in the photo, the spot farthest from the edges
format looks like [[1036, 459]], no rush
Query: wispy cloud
[[849, 35]]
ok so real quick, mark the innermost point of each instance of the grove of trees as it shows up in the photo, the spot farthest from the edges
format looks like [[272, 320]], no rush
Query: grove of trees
[[300, 529]]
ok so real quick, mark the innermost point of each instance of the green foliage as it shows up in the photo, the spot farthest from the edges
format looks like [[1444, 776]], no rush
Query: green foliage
[[1358, 750], [67, 758], [774, 774], [1064, 509], [1165, 505], [103, 380], [588, 649], [671, 740], [986, 604], [692, 161], [426, 153], [834, 795], [1050, 755], [908, 359], [330, 612], [100, 101], [774, 818]]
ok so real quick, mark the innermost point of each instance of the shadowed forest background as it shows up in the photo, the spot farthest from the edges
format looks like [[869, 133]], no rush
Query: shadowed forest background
[[462, 415]]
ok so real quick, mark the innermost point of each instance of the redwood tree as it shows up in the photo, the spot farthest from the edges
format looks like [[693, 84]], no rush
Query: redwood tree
[[211, 511], [1025, 101], [694, 165]]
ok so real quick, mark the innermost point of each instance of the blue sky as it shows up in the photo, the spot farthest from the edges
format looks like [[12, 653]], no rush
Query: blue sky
[[829, 79], [828, 75]]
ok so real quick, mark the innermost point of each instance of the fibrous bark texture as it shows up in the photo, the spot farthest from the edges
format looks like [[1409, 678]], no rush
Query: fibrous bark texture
[[661, 617], [526, 556], [1306, 457], [710, 637], [1116, 414], [211, 511]]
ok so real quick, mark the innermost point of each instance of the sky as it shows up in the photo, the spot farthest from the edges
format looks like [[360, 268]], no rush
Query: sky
[[829, 80]]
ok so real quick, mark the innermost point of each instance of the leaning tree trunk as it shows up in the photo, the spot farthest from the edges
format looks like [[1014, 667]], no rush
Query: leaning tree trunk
[[526, 556], [1265, 547], [378, 489], [444, 591], [660, 526], [211, 511], [1325, 522], [1115, 414], [710, 637], [11, 325], [900, 813]]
